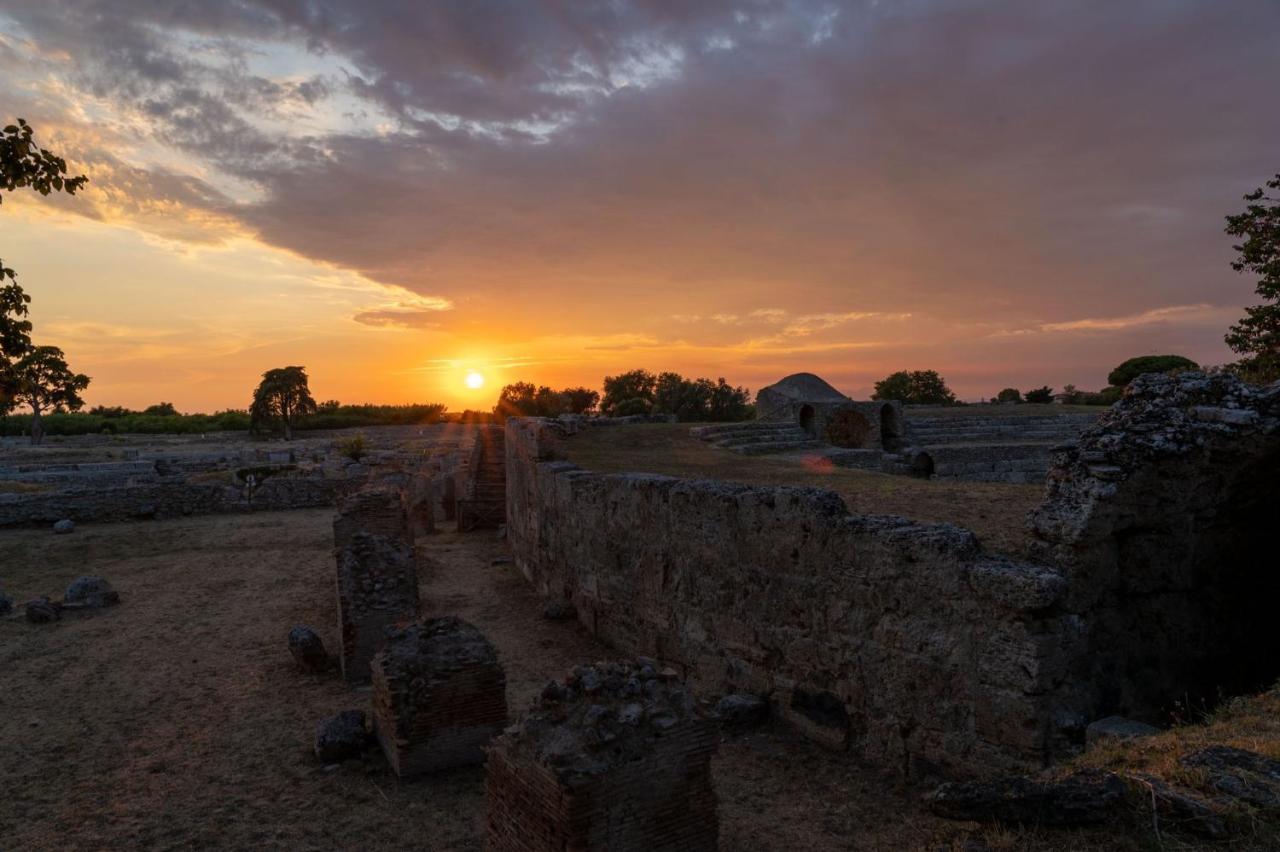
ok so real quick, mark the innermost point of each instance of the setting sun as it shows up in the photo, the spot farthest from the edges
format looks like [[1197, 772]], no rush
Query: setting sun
[[474, 380]]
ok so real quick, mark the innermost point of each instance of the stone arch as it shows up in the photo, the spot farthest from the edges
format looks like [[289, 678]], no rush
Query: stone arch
[[806, 418], [1163, 521], [891, 433]]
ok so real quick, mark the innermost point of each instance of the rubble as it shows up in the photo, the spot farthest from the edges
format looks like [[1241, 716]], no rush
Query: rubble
[[341, 737], [439, 696]]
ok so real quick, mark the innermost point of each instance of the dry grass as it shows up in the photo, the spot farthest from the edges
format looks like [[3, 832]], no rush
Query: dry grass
[[1025, 409], [995, 511], [9, 486]]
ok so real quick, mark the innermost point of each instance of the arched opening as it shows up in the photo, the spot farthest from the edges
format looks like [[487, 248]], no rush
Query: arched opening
[[891, 429], [806, 420], [921, 465]]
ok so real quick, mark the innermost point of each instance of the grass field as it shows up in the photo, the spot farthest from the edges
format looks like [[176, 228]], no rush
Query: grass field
[[995, 511], [986, 409]]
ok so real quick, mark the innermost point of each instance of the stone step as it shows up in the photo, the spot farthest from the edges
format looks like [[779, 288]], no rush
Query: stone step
[[769, 447], [724, 430], [796, 434]]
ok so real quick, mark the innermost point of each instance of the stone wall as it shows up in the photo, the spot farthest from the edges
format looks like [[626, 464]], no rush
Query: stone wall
[[165, 500], [901, 641]]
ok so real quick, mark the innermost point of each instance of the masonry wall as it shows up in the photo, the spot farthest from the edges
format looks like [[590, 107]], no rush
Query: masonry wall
[[900, 641]]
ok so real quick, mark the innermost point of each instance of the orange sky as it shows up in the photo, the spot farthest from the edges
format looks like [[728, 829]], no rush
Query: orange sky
[[1009, 195]]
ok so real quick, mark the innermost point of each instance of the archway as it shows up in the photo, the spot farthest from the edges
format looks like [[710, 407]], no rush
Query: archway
[[807, 415], [890, 428]]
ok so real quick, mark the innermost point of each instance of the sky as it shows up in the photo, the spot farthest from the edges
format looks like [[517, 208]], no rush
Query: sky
[[395, 193]]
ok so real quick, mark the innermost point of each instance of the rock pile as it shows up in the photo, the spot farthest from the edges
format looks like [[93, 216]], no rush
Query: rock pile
[[617, 757], [377, 589], [439, 696]]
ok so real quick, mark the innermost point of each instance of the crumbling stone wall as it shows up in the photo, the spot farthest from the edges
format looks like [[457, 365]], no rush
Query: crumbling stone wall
[[378, 509], [439, 696], [377, 584], [901, 641], [616, 757], [1162, 519]]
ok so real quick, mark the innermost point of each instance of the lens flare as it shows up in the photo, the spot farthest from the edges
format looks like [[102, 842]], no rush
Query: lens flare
[[474, 380]]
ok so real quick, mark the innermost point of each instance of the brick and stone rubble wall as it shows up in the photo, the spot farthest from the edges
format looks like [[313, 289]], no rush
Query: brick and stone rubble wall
[[439, 696], [377, 509], [901, 641], [377, 585]]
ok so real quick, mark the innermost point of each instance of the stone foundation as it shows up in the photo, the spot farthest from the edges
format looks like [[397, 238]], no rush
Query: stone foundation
[[617, 757], [439, 696], [377, 589], [376, 510]]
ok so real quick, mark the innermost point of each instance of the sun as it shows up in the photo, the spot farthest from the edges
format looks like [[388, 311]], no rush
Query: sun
[[474, 380]]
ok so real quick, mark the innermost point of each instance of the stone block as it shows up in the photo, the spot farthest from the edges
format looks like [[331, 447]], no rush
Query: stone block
[[377, 589], [439, 696], [616, 757], [378, 510]]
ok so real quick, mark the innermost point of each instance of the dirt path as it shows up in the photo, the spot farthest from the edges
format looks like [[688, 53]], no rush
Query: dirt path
[[177, 720]]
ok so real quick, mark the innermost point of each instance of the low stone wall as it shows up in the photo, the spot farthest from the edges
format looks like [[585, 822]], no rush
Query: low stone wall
[[165, 500], [901, 641]]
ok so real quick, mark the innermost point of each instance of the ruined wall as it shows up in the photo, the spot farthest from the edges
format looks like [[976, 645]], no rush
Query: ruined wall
[[901, 641], [1163, 519]]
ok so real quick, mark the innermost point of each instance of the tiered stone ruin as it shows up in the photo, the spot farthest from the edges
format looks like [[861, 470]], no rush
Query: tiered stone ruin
[[377, 590], [617, 757], [439, 696], [482, 505]]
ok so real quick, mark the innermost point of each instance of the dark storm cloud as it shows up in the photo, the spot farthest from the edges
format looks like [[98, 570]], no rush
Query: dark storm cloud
[[1005, 161]]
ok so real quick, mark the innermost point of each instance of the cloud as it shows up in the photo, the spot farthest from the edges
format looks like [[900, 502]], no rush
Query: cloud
[[1174, 315]]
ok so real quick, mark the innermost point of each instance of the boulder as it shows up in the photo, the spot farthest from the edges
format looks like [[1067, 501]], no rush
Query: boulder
[[64, 526], [42, 611], [558, 610], [1079, 799], [742, 709], [308, 650], [342, 736], [1116, 728], [91, 592]]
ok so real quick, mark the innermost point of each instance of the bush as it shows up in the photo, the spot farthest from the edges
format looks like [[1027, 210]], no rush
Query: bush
[[1009, 395], [629, 407], [354, 448], [1134, 367], [636, 384], [1040, 395]]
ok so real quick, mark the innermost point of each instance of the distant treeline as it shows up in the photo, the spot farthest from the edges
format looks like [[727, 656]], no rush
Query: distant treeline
[[163, 419]]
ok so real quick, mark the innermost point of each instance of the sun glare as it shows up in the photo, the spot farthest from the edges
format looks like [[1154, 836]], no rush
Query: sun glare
[[474, 380]]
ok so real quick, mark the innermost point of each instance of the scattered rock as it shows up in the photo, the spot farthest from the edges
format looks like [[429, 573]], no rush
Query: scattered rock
[[1116, 728], [42, 611], [1244, 775], [742, 709], [6, 604], [64, 526], [341, 737], [308, 650], [559, 610], [91, 592], [1080, 799], [1178, 809]]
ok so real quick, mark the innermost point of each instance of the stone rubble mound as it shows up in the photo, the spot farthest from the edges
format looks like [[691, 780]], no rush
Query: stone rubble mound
[[90, 592]]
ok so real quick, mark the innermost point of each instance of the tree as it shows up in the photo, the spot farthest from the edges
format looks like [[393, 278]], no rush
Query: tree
[[729, 403], [46, 383], [161, 409], [281, 397], [23, 164], [1134, 367], [916, 387], [1009, 395], [1040, 395], [580, 400], [1257, 336], [637, 384]]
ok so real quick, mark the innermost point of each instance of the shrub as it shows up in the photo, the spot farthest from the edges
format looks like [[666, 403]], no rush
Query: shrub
[[354, 448], [1009, 395], [1040, 395], [629, 407]]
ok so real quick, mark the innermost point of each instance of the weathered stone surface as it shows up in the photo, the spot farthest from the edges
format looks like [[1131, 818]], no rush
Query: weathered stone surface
[[375, 510], [377, 582], [1117, 728], [742, 709], [1244, 775], [559, 610], [1181, 810], [64, 526], [307, 649], [341, 737], [614, 757], [1080, 799], [1161, 518], [91, 592], [901, 641], [6, 604], [439, 696], [42, 610]]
